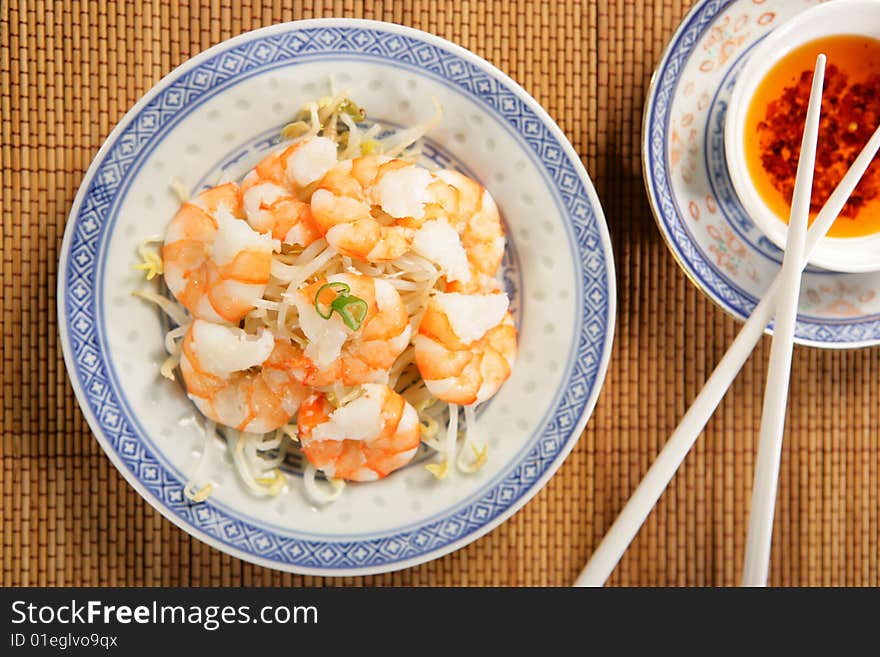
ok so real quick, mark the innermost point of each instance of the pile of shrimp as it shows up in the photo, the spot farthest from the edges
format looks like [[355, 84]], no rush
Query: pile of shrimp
[[342, 301]]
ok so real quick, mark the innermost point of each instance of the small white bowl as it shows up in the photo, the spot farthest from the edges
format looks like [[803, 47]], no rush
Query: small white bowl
[[859, 17]]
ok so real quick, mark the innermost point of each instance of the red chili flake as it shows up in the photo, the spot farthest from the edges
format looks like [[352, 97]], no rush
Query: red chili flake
[[850, 114]]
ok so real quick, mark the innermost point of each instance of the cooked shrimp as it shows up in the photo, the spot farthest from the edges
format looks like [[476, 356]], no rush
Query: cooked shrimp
[[275, 193], [214, 262], [335, 352], [465, 346], [479, 224], [368, 207], [438, 241], [363, 440], [216, 362]]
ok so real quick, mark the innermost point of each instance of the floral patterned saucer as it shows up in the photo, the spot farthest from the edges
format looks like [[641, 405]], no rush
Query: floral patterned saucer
[[711, 236]]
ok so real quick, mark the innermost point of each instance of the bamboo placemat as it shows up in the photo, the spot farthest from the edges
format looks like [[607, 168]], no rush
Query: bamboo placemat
[[69, 72]]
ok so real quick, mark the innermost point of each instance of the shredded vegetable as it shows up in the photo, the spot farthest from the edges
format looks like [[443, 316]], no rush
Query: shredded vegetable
[[179, 190], [193, 490], [151, 264], [318, 493], [480, 452], [257, 458]]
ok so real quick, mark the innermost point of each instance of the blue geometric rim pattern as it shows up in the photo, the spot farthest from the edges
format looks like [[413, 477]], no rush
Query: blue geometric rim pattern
[[88, 232], [810, 330]]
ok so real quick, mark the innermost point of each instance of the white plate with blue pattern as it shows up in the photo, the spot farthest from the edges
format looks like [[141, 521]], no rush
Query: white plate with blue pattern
[[705, 226], [213, 117]]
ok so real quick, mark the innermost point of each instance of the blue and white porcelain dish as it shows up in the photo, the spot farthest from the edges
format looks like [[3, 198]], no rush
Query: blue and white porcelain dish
[[212, 118], [710, 234]]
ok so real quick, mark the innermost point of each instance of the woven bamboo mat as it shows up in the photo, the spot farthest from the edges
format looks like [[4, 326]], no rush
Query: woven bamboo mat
[[70, 70]]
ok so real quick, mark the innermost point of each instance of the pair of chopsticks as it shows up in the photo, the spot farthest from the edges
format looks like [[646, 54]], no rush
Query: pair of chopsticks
[[781, 298], [766, 476]]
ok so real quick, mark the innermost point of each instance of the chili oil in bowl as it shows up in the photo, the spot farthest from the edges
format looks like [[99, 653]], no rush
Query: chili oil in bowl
[[765, 119]]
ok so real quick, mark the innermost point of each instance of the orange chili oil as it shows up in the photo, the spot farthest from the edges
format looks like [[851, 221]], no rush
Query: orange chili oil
[[850, 114]]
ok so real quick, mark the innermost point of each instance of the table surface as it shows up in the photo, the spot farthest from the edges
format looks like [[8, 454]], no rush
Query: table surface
[[68, 73]]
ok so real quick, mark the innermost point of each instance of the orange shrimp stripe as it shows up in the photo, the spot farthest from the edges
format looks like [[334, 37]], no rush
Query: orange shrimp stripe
[[248, 267]]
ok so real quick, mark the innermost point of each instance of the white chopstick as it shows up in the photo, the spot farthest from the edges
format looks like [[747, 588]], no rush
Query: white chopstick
[[624, 529], [760, 534]]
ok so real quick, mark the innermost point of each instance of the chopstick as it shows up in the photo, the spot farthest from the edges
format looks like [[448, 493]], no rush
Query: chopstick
[[643, 499], [760, 534]]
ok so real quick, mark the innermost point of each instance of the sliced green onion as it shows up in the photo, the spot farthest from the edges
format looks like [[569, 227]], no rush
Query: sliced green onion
[[341, 289], [353, 311]]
